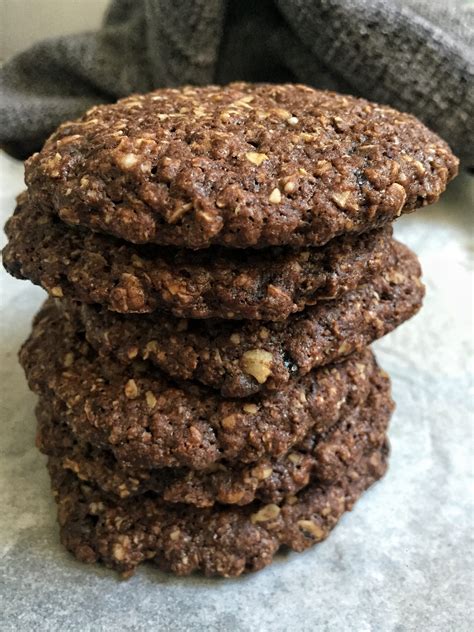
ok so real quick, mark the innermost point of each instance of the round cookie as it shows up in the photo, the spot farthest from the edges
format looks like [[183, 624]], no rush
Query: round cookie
[[217, 541], [322, 457], [219, 283], [240, 359], [147, 421], [242, 165]]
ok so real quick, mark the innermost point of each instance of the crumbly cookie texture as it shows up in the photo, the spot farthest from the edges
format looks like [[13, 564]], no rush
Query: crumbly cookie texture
[[220, 540], [218, 282], [242, 165], [147, 421], [320, 457], [241, 359]]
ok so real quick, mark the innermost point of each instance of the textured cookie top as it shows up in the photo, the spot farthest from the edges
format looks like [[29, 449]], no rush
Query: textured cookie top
[[240, 165]]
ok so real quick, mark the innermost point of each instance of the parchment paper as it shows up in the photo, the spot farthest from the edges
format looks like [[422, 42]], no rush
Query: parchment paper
[[400, 561]]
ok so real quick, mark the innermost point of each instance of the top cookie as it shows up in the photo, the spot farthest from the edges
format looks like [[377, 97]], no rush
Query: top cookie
[[244, 165]]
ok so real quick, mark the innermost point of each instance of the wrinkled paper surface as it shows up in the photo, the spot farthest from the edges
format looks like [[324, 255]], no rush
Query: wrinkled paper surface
[[400, 561]]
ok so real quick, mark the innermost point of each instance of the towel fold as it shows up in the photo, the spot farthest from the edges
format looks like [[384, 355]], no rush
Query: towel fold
[[414, 55]]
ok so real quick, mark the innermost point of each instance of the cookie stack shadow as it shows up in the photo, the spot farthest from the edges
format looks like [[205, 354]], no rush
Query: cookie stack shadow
[[218, 261]]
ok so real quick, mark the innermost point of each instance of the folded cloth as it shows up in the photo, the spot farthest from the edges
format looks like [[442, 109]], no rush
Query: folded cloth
[[416, 55]]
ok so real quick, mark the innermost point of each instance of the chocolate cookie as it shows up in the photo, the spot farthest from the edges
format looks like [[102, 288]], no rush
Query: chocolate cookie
[[217, 541], [241, 359], [220, 283], [241, 165], [322, 457], [147, 421]]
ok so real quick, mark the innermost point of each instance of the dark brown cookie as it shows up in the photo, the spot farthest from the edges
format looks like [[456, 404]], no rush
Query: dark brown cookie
[[322, 457], [217, 541], [241, 359], [148, 421], [241, 165], [220, 283]]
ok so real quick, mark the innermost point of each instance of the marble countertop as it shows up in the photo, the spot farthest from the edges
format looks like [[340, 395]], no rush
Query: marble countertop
[[400, 561]]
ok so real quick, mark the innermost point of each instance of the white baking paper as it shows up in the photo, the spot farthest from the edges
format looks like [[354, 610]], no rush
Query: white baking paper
[[400, 561]]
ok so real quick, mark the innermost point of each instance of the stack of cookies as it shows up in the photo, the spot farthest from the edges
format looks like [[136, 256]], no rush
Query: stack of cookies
[[218, 261]]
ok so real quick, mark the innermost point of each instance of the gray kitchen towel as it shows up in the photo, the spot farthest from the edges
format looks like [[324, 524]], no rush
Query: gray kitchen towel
[[416, 55]]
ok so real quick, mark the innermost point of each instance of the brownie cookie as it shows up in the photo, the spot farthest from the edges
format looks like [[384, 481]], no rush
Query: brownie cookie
[[241, 359], [147, 421], [242, 165], [267, 285], [322, 457], [217, 541]]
